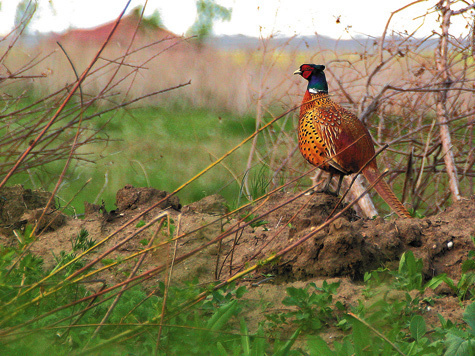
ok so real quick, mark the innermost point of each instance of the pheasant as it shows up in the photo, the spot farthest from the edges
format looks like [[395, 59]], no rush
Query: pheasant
[[335, 140]]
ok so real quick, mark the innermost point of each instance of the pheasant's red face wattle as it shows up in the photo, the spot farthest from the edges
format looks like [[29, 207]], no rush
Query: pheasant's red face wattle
[[306, 71], [306, 74]]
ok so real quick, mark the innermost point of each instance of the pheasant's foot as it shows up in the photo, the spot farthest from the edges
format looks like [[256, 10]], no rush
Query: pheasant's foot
[[323, 190]]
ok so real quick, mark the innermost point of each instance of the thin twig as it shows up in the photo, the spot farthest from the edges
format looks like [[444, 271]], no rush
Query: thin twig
[[167, 283], [63, 105]]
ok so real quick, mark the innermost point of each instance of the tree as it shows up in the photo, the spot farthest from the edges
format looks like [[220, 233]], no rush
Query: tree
[[152, 21], [208, 11], [24, 13], [446, 13]]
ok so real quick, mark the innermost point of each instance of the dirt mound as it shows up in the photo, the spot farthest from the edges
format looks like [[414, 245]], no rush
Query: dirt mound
[[349, 246], [220, 244], [20, 206]]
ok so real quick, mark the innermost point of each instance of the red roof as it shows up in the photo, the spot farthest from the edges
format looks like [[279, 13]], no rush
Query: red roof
[[123, 34]]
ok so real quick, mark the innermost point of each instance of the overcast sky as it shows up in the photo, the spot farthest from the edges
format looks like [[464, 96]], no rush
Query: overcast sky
[[249, 17]]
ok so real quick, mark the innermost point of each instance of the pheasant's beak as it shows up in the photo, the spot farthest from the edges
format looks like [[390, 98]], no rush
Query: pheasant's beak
[[298, 71]]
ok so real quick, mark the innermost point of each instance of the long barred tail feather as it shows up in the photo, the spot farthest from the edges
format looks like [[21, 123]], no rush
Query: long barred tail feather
[[371, 173]]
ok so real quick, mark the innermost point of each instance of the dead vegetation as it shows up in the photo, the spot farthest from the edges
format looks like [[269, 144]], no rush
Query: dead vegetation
[[415, 94]]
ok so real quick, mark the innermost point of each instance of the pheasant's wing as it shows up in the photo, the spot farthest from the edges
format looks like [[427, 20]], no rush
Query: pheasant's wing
[[352, 144], [327, 123]]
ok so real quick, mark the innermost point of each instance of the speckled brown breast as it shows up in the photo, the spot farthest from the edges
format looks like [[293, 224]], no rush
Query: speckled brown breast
[[311, 142]]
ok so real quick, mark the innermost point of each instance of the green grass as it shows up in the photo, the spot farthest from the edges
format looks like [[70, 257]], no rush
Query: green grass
[[219, 324], [155, 147]]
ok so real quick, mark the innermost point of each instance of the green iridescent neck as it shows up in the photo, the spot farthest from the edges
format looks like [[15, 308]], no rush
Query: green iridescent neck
[[317, 83]]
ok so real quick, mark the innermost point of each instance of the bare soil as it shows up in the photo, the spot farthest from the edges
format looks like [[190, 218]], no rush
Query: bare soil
[[342, 251]]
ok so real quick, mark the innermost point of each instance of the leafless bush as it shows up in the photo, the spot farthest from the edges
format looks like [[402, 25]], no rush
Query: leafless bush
[[51, 128], [416, 94]]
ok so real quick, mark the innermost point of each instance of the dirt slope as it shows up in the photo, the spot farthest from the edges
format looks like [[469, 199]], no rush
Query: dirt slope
[[345, 249]]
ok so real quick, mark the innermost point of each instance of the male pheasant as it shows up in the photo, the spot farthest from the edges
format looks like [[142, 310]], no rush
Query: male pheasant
[[335, 140]]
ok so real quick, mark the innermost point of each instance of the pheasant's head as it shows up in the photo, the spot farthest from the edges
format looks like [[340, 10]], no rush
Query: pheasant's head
[[315, 76]]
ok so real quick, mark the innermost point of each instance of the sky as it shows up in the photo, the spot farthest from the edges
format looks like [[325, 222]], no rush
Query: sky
[[334, 18]]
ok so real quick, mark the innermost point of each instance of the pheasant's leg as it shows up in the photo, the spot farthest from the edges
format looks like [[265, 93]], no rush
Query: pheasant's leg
[[326, 188], [339, 185]]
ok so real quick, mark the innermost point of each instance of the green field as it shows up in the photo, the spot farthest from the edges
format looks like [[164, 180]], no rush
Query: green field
[[153, 147]]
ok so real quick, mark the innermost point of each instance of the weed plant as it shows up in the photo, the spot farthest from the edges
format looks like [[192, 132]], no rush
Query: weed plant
[[377, 324]]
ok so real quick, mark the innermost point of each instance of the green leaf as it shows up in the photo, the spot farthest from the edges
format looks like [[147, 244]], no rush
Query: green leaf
[[345, 348], [469, 317], [468, 265], [410, 271], [360, 337], [466, 282], [284, 351], [318, 347], [457, 346], [296, 293], [221, 316], [442, 321], [245, 344], [221, 349], [438, 280], [259, 344], [241, 291], [417, 327], [406, 262], [315, 324], [140, 224]]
